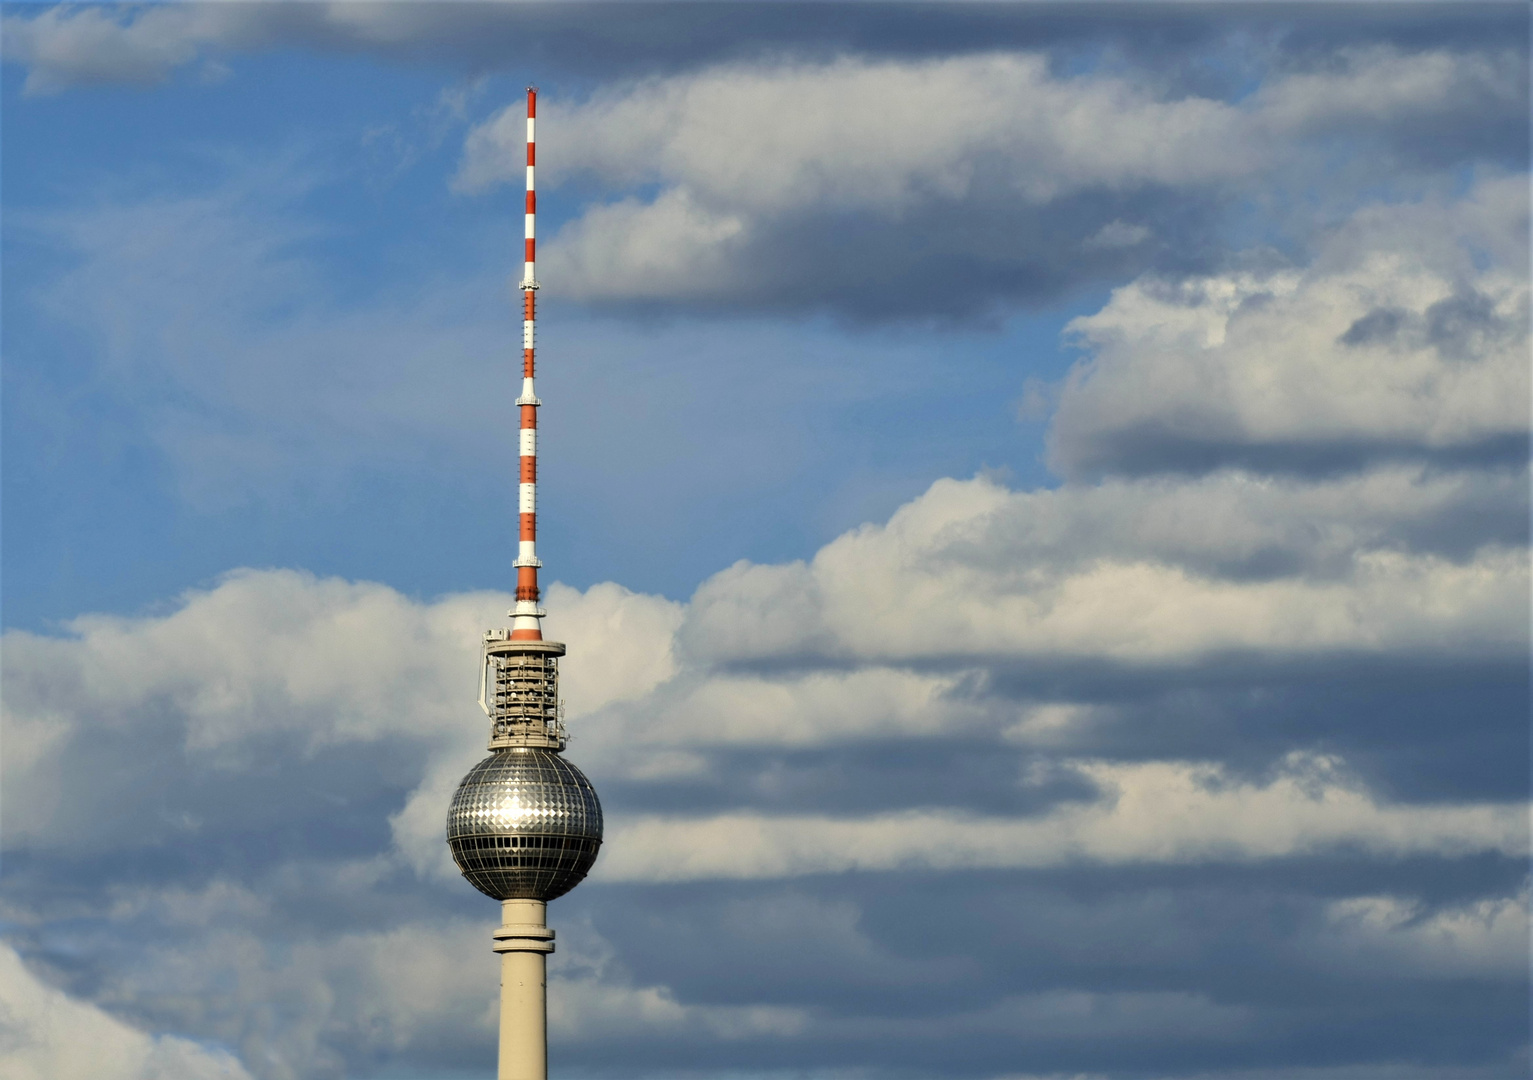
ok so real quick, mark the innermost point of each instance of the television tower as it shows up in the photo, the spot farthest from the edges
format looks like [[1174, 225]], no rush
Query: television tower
[[524, 825]]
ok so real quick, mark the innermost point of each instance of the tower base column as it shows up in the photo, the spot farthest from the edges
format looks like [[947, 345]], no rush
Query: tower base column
[[524, 942]]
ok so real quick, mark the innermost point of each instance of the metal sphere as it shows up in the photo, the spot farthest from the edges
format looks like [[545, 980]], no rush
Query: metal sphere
[[524, 824]]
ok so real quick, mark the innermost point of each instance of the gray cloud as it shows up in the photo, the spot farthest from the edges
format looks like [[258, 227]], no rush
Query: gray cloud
[[914, 188], [66, 47], [50, 1036], [1109, 935], [1405, 337], [933, 557]]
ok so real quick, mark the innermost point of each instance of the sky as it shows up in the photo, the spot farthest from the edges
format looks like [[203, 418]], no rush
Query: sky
[[1036, 498]]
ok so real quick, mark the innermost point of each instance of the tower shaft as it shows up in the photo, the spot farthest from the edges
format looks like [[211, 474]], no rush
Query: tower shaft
[[523, 942]]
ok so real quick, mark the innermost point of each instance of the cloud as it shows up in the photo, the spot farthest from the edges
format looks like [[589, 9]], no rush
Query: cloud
[[1011, 175], [898, 135], [64, 47], [1417, 99], [907, 630], [760, 181], [297, 1003], [899, 631], [1401, 934], [800, 709], [1162, 1017], [972, 570], [121, 678], [765, 170], [594, 998], [1407, 336], [1117, 234], [314, 667], [47, 1035], [277, 755], [1158, 812]]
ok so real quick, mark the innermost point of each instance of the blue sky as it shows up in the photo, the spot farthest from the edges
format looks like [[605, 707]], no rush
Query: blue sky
[[347, 214], [1037, 496]]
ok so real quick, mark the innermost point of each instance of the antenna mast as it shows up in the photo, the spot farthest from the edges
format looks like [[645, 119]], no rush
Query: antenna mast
[[519, 680], [527, 616]]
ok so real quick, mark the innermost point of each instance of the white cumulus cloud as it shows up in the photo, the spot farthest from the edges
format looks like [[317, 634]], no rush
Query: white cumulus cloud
[[742, 154], [972, 569], [1408, 331]]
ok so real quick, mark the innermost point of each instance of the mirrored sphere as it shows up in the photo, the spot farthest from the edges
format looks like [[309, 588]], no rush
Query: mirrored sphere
[[524, 824]]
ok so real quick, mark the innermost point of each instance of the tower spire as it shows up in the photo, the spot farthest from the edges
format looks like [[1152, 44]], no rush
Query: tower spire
[[527, 615], [525, 824], [518, 685]]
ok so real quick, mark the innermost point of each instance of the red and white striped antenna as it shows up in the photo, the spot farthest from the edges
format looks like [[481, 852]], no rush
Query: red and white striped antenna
[[527, 615], [519, 679]]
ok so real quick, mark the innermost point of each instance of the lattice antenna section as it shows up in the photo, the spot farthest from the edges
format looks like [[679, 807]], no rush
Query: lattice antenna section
[[519, 691]]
